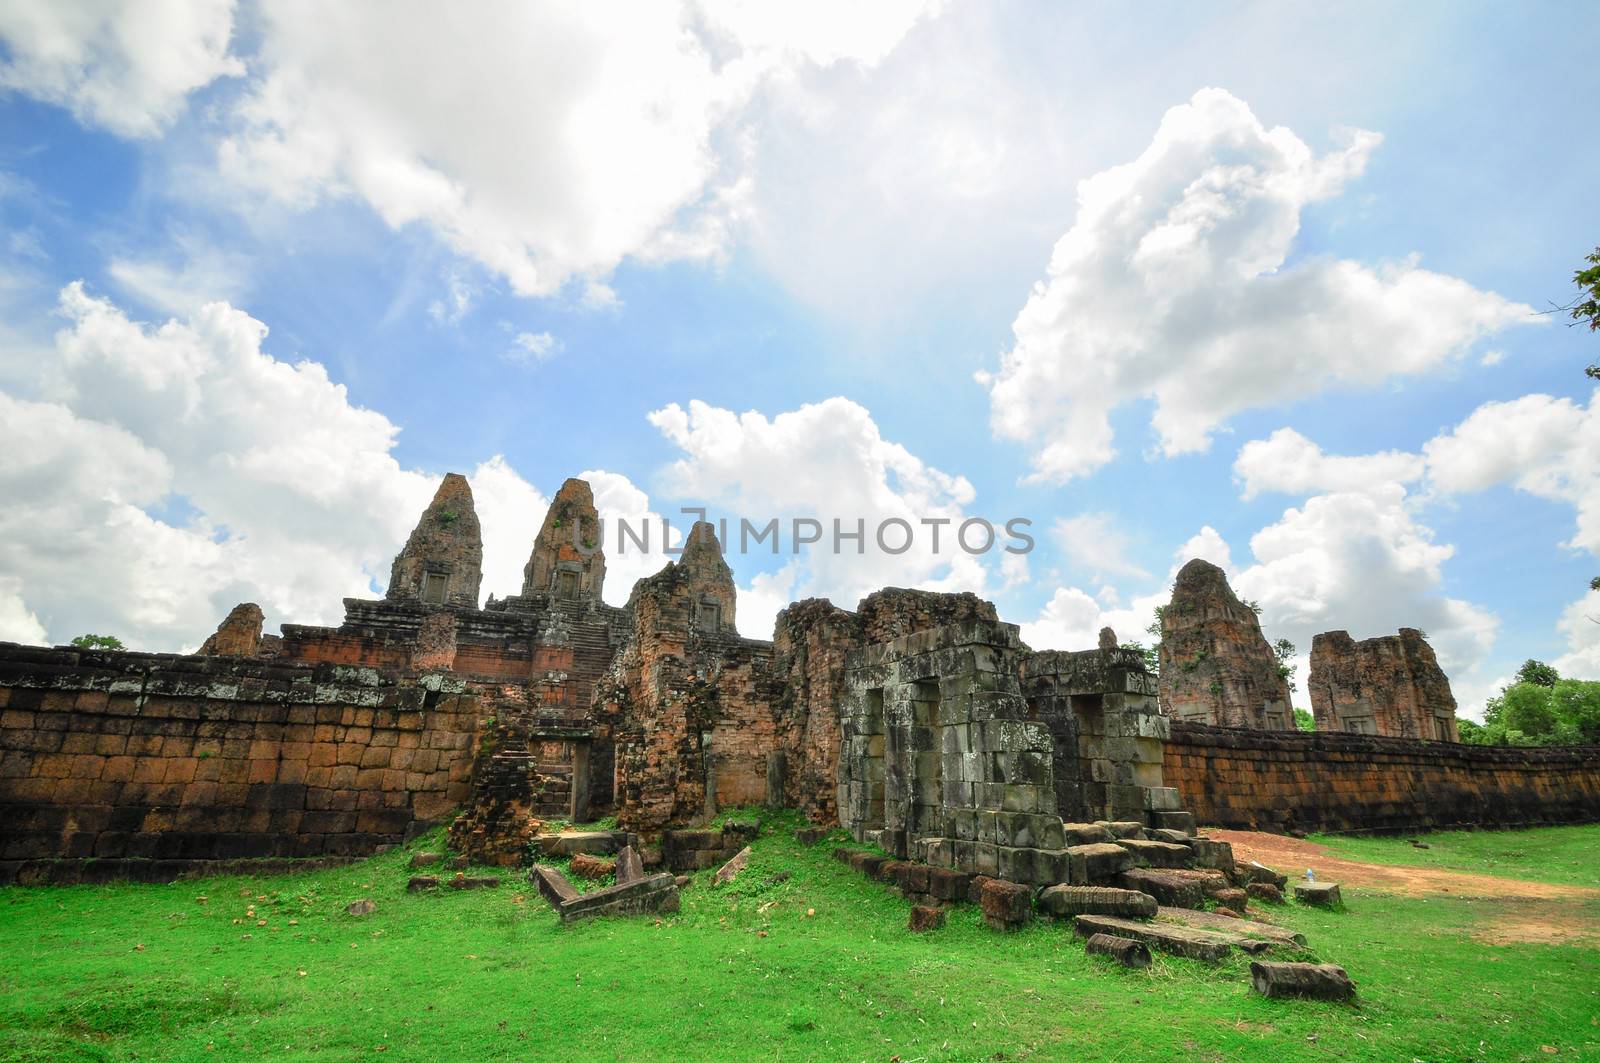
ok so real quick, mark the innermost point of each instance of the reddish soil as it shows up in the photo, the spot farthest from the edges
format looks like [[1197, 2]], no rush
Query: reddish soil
[[1527, 912]]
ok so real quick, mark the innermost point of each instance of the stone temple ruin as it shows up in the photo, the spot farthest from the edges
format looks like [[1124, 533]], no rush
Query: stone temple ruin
[[918, 721]]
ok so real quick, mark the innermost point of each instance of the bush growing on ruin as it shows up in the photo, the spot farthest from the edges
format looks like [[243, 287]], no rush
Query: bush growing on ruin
[[98, 642]]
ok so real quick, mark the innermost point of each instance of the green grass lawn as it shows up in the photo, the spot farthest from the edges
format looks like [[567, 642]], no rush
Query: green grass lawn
[[1566, 855], [742, 972]]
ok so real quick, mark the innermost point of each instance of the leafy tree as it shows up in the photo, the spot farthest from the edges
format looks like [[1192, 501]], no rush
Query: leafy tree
[[1284, 650], [1151, 654], [1527, 714], [1538, 673], [98, 642], [1304, 720]]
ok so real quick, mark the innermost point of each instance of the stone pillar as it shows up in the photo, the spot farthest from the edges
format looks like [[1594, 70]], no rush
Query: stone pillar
[[580, 781]]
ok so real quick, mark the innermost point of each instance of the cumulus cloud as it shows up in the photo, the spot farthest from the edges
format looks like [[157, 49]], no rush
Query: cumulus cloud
[[828, 462], [532, 348], [1175, 284], [1094, 543], [17, 622], [1546, 446], [548, 143], [126, 67], [1208, 545], [1580, 623], [1288, 462]]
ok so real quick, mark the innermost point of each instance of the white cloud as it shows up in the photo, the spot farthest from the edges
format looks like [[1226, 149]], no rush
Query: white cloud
[[827, 461], [1208, 545], [1288, 462], [1580, 623], [1094, 543], [198, 275], [17, 622], [1360, 562], [548, 143], [510, 510], [1546, 446], [1175, 284], [126, 67], [532, 348], [456, 302]]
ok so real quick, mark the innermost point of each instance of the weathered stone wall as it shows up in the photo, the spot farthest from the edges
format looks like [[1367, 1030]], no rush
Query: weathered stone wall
[[149, 765], [1391, 685], [1216, 665], [812, 642], [567, 560], [239, 634], [1231, 777]]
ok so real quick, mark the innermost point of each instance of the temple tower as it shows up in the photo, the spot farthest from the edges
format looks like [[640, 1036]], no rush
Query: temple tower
[[442, 562]]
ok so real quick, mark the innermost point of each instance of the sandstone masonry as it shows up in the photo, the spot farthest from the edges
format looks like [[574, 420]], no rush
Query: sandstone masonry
[[1391, 685], [1216, 665]]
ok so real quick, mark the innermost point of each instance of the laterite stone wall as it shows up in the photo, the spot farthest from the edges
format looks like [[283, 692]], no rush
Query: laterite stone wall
[[138, 765], [1330, 781]]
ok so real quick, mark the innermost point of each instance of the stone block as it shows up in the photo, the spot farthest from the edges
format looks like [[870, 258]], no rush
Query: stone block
[[1158, 854], [1179, 941], [1319, 894], [1318, 981], [629, 866], [1183, 822], [1006, 905], [1255, 872], [924, 918], [1086, 833], [421, 883], [1214, 854], [1264, 891], [730, 870], [1162, 799], [946, 884], [552, 885], [657, 894], [1102, 861], [1171, 890], [1065, 900], [1126, 951]]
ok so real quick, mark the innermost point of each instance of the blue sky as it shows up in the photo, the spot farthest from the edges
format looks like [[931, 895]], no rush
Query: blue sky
[[1254, 282]]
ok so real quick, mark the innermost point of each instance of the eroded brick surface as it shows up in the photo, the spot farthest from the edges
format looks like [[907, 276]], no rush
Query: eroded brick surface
[[1391, 686]]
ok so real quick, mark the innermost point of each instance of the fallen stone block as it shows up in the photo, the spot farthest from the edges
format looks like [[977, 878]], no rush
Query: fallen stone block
[[888, 871], [843, 855], [729, 871], [1176, 837], [474, 882], [1264, 891], [1122, 828], [1243, 928], [1319, 981], [741, 830], [586, 865], [1209, 880], [925, 917], [912, 877], [571, 843], [364, 906], [1158, 854], [1096, 900], [419, 883], [552, 885], [1102, 861], [1085, 833], [947, 885], [1213, 854], [1178, 821], [1169, 889], [630, 867], [683, 881], [654, 894], [1236, 899], [1006, 905], [1320, 894], [1126, 951], [425, 859], [1254, 872], [810, 835], [975, 887], [1179, 941]]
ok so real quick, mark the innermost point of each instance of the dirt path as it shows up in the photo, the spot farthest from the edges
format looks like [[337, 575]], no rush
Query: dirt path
[[1534, 912]]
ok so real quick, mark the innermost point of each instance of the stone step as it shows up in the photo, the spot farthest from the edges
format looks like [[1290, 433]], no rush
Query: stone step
[[1158, 854], [1242, 928], [1174, 891], [1205, 945], [1099, 861], [1096, 900], [1319, 981]]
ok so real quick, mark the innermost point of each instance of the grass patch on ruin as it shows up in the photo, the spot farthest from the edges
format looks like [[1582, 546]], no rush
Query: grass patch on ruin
[[1569, 856], [742, 972]]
